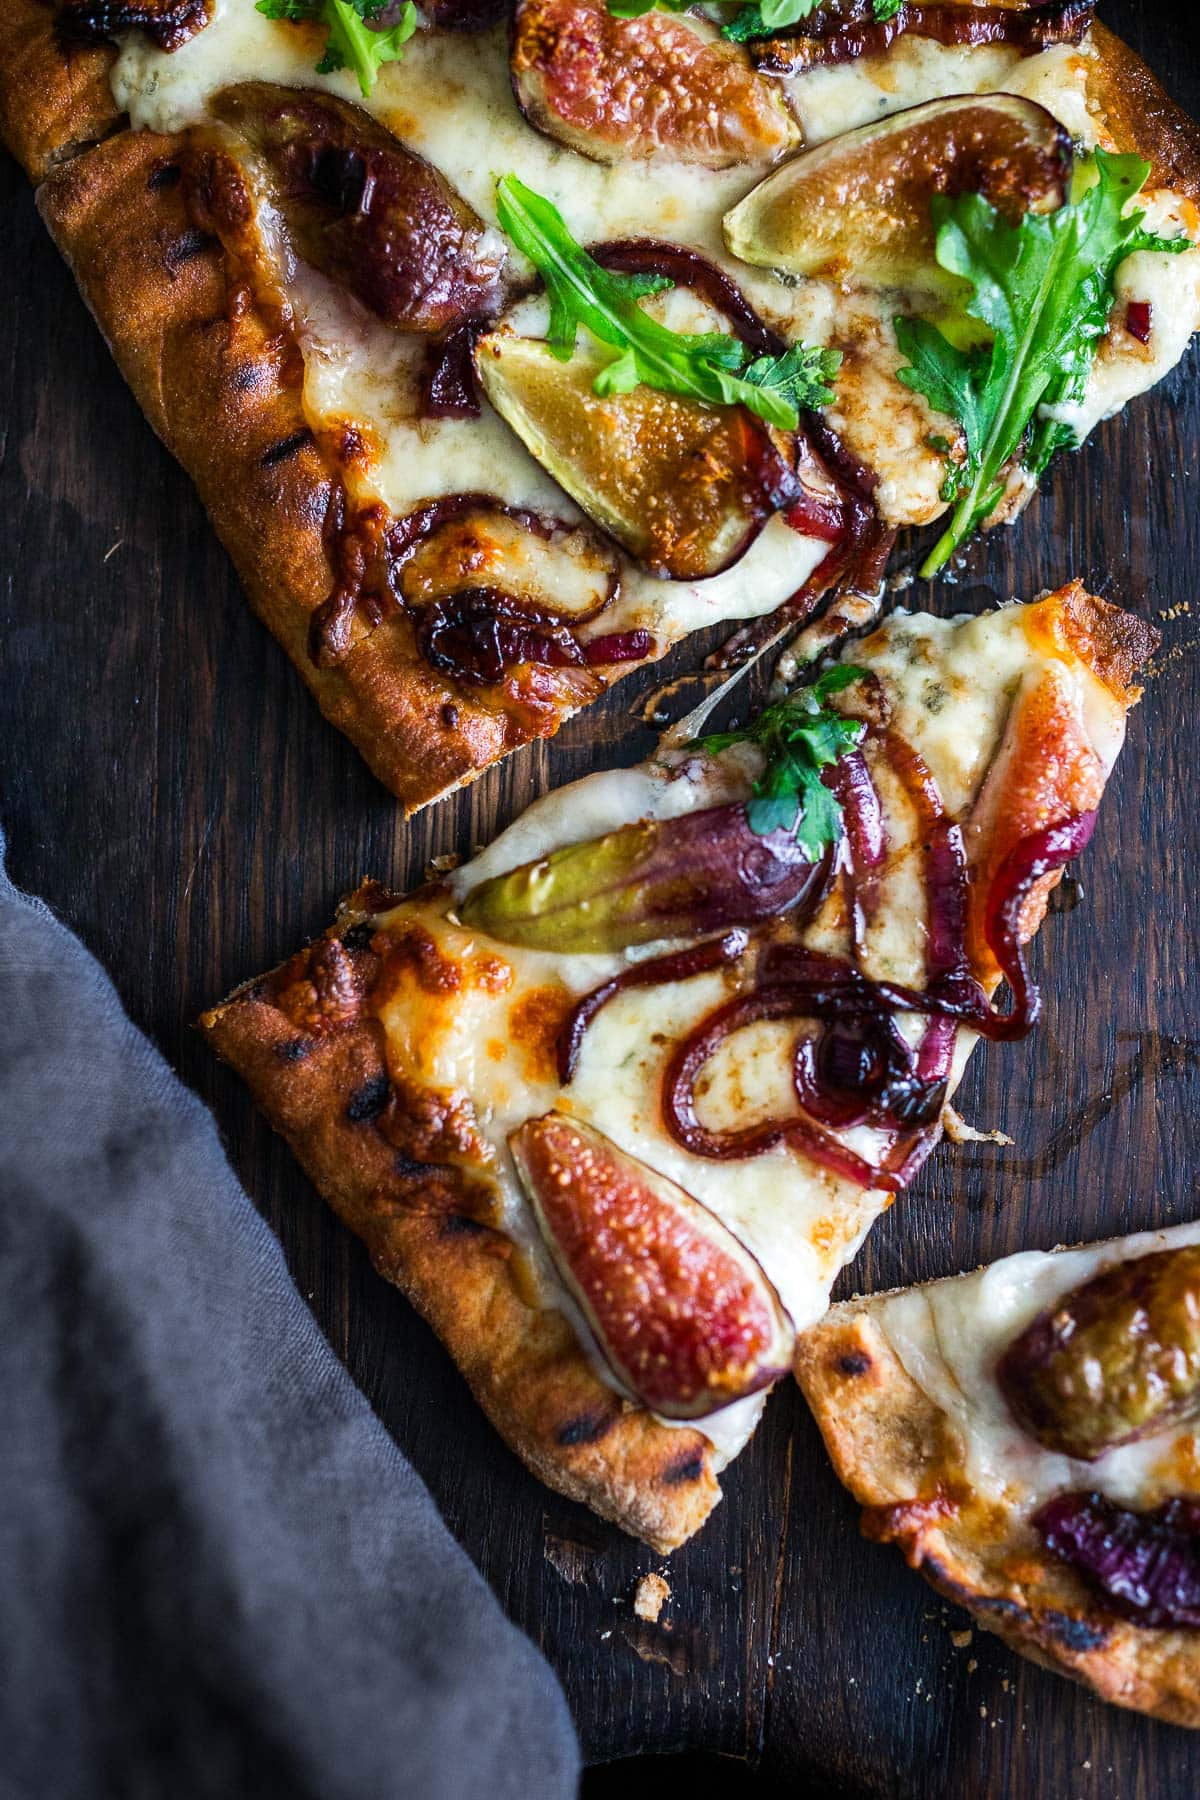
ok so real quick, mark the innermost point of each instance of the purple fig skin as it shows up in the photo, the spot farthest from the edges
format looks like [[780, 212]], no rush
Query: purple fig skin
[[366, 211], [1146, 1566], [641, 883]]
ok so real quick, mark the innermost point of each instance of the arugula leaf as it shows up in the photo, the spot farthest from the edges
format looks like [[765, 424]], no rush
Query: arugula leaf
[[710, 366], [798, 737], [763, 18], [1044, 290], [352, 43]]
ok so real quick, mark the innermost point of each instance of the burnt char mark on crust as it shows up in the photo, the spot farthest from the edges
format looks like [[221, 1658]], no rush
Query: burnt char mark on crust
[[457, 1224], [1073, 1634], [689, 1467], [853, 1362], [586, 1428], [188, 245], [167, 175], [359, 936], [286, 447], [1046, 1626], [369, 1100], [294, 1050]]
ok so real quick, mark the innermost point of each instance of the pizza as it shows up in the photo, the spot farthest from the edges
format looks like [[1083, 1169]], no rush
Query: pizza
[[1026, 1434], [615, 1101], [508, 345]]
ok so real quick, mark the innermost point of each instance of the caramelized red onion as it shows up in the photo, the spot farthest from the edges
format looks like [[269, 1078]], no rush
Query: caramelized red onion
[[1139, 317], [688, 269], [478, 634], [850, 31], [451, 390], [678, 965], [1145, 1566], [619, 647]]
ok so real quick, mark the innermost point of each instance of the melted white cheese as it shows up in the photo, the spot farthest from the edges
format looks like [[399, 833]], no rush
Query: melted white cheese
[[450, 98], [802, 1222], [950, 1336]]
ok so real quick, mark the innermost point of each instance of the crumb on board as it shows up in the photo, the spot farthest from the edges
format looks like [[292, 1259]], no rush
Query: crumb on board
[[651, 1596], [972, 1666], [960, 1639]]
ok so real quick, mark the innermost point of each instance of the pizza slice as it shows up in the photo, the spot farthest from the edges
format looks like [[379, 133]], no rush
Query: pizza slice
[[615, 1101], [507, 353], [1026, 1434]]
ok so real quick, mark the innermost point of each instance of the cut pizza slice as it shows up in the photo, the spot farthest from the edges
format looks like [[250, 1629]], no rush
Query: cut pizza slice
[[1027, 1435], [504, 359], [615, 1101]]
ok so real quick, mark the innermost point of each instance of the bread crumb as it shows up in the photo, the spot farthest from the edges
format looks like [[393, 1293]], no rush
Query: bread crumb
[[651, 1596], [960, 1639], [972, 1666]]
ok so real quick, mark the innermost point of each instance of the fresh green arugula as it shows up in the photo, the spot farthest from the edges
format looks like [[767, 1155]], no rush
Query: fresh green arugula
[[1043, 288], [760, 18], [765, 18], [799, 737], [711, 366], [352, 42]]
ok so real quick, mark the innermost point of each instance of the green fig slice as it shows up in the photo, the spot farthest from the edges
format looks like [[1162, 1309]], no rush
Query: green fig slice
[[1114, 1360], [640, 883], [858, 207], [683, 487], [682, 1311]]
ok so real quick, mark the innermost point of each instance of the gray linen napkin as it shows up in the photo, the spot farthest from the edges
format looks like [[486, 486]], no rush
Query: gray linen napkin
[[218, 1575]]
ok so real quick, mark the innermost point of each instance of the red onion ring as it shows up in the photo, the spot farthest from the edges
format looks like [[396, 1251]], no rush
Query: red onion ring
[[677, 965]]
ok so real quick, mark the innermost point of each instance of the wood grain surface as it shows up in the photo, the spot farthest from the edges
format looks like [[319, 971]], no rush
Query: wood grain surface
[[172, 792]]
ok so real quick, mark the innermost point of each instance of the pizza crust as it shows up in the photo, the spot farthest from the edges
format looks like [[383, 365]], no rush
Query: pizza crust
[[222, 390], [55, 97], [899, 1455], [324, 1090]]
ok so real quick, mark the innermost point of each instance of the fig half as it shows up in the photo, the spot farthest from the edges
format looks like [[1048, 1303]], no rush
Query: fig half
[[620, 89], [363, 208], [684, 1313], [858, 207], [682, 486]]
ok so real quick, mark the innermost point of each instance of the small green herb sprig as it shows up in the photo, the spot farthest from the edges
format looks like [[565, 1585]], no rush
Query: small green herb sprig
[[799, 737], [353, 43], [1043, 288], [711, 366]]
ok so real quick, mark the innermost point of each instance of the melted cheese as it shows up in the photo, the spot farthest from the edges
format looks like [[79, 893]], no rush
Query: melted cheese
[[450, 98], [950, 684], [950, 1335]]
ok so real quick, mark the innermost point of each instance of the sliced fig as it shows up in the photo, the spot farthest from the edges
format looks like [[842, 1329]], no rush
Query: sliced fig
[[685, 488], [366, 211], [684, 1313], [661, 85], [656, 879], [858, 207], [167, 23], [1112, 1361]]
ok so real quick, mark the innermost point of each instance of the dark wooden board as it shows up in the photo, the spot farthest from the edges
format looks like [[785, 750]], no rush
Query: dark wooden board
[[173, 793]]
